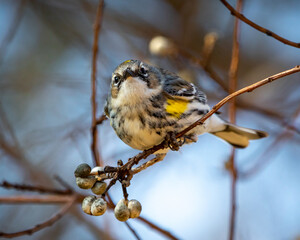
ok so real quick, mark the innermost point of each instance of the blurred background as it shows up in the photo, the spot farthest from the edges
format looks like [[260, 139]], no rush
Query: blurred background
[[45, 115]]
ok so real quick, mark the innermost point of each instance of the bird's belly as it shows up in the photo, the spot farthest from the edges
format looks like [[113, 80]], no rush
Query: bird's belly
[[136, 134]]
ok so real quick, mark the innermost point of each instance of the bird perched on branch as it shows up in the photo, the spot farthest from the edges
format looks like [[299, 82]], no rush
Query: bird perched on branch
[[147, 104]]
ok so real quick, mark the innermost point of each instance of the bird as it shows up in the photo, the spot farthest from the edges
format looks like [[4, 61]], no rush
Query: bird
[[148, 104]]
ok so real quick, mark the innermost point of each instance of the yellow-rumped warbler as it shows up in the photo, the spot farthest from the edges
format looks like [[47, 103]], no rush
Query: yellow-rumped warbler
[[146, 103]]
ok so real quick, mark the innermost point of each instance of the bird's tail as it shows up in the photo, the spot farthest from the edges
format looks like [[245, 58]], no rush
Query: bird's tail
[[237, 136]]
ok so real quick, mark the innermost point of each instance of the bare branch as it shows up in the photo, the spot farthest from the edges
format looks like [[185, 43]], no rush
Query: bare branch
[[12, 29], [24, 187], [94, 131], [42, 225], [154, 226], [233, 70], [40, 199], [263, 160], [257, 27], [249, 88], [132, 230]]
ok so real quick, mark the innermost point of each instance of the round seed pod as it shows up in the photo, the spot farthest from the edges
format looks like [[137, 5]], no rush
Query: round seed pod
[[135, 208], [85, 183], [162, 46], [121, 211], [87, 204], [99, 207], [99, 187], [83, 170]]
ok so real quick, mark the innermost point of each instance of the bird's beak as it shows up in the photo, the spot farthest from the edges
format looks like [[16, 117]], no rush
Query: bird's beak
[[129, 73]]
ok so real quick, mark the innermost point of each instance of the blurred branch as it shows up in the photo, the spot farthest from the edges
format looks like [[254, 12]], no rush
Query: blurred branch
[[257, 27], [12, 29], [45, 224], [264, 159], [40, 189], [160, 230], [209, 70], [132, 230], [94, 130], [233, 70], [40, 199]]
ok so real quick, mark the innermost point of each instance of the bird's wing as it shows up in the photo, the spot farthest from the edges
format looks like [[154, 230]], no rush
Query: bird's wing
[[176, 87]]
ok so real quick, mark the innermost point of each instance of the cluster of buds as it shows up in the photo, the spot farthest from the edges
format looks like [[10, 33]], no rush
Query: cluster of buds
[[87, 178]]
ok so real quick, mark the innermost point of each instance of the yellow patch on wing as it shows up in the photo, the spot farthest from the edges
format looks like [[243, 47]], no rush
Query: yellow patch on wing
[[127, 61], [176, 107]]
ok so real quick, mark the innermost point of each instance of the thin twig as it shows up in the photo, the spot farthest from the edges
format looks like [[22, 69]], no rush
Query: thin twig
[[249, 88], [12, 29], [263, 160], [257, 27], [146, 165], [94, 130], [44, 224], [233, 70], [203, 64], [132, 231], [160, 230], [101, 119], [40, 189], [40, 199]]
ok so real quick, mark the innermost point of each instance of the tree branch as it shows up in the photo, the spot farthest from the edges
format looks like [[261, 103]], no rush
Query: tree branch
[[94, 131], [162, 231], [42, 225], [249, 88], [257, 27], [40, 199], [233, 70], [24, 187]]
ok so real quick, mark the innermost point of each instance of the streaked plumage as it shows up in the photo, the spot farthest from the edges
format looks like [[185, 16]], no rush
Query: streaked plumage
[[146, 103]]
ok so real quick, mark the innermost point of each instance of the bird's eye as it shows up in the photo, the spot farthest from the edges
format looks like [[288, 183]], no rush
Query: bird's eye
[[116, 80], [143, 71]]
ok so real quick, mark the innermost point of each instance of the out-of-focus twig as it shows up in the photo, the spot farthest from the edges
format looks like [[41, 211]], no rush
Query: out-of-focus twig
[[94, 130], [154, 226], [40, 189], [12, 29], [257, 27], [209, 70], [232, 74], [132, 231], [40, 199], [263, 160], [44, 224]]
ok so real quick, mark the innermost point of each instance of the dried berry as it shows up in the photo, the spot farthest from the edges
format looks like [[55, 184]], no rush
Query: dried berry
[[87, 204], [99, 187], [99, 207], [83, 170], [121, 211], [85, 183], [135, 208]]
